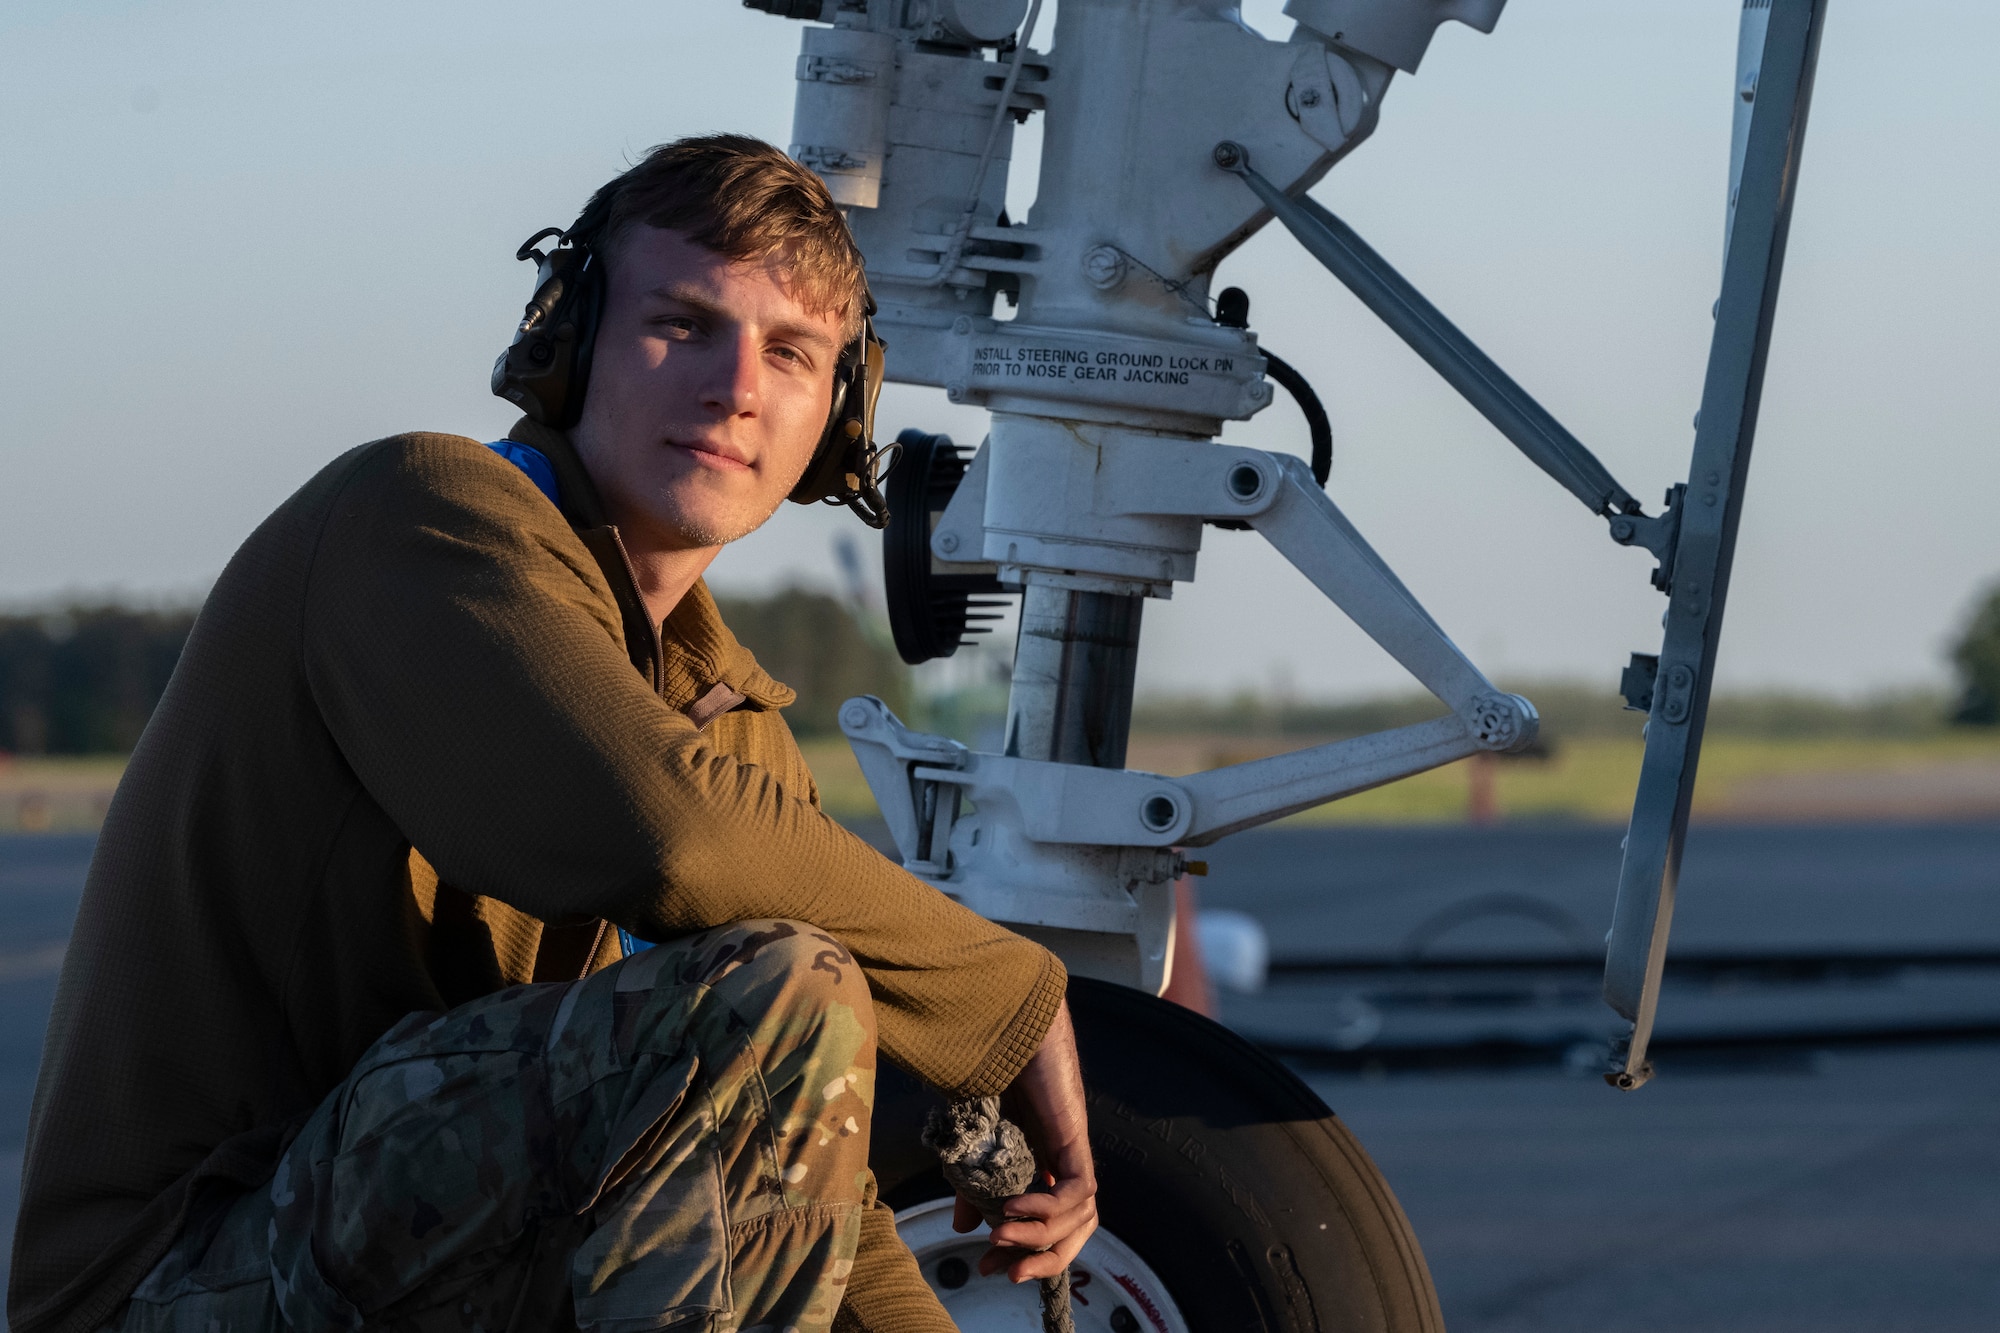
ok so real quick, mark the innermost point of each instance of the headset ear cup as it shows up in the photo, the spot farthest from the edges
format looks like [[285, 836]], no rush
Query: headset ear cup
[[545, 370], [823, 478], [843, 462]]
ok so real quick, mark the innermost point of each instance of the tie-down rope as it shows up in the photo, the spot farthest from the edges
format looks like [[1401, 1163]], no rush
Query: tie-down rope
[[987, 1161]]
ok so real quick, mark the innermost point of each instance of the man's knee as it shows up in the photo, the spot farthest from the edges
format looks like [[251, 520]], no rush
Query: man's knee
[[790, 979], [792, 971]]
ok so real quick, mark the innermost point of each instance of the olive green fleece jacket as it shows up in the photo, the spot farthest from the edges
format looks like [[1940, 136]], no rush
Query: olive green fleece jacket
[[423, 743]]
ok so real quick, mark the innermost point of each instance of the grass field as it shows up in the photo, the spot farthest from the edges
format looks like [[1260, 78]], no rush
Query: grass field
[[56, 795], [1949, 775]]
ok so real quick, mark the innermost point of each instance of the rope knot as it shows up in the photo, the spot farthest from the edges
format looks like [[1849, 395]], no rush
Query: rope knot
[[987, 1161]]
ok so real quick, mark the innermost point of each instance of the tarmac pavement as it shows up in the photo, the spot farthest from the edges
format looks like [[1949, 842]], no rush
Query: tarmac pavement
[[1833, 1193], [1781, 1187]]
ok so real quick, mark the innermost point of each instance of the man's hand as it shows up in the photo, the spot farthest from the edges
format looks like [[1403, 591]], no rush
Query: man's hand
[[1044, 1231]]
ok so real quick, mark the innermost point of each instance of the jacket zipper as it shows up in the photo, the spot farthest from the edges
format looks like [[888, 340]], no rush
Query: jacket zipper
[[659, 686], [632, 581]]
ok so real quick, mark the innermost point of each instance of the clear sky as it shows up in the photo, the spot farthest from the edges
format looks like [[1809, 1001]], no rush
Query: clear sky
[[244, 237]]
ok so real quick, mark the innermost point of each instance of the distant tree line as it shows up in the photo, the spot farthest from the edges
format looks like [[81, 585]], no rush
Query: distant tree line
[[84, 679], [1977, 657], [818, 646], [1568, 710]]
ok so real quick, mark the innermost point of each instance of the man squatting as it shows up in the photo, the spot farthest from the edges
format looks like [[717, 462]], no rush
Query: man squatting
[[345, 1037]]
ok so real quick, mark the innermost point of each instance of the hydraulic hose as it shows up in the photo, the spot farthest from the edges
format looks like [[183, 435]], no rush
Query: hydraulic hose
[[1302, 393], [1232, 311]]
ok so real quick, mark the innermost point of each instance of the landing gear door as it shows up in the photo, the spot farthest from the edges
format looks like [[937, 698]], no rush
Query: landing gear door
[[1674, 688]]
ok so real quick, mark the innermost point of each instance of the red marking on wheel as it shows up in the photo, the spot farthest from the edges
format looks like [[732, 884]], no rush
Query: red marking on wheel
[[1142, 1300]]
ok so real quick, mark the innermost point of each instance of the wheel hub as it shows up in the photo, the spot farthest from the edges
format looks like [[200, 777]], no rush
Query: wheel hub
[[1111, 1288]]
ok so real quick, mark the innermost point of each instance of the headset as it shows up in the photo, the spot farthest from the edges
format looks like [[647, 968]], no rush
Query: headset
[[546, 369]]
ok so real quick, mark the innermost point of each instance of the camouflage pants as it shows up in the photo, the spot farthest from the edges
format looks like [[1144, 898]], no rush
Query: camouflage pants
[[680, 1141]]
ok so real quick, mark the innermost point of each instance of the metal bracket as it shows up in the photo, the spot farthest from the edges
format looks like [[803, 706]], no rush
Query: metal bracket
[[1660, 535], [1074, 848], [1073, 803], [889, 753], [1635, 683]]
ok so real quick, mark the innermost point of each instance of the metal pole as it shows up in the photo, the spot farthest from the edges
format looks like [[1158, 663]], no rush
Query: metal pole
[[1074, 666], [1636, 950], [1511, 409]]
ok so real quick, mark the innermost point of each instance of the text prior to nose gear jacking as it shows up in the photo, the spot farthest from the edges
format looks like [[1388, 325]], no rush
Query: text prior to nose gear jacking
[[1044, 362]]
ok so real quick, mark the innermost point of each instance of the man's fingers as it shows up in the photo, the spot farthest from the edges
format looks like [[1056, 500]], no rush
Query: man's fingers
[[1065, 1195], [1049, 1226], [1043, 1235], [1042, 1262], [1057, 1223]]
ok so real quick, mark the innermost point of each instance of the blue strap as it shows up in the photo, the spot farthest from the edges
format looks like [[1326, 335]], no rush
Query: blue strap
[[534, 463]]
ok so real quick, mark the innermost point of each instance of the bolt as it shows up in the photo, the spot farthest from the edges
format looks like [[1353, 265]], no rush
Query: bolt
[[1159, 812], [955, 392], [1229, 156], [963, 324], [856, 717], [1104, 266], [1309, 97], [948, 542], [1622, 530]]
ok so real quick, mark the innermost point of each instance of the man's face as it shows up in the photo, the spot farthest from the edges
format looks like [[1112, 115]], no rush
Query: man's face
[[708, 391]]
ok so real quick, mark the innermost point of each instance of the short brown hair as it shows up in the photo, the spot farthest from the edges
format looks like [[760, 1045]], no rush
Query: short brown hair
[[745, 200]]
